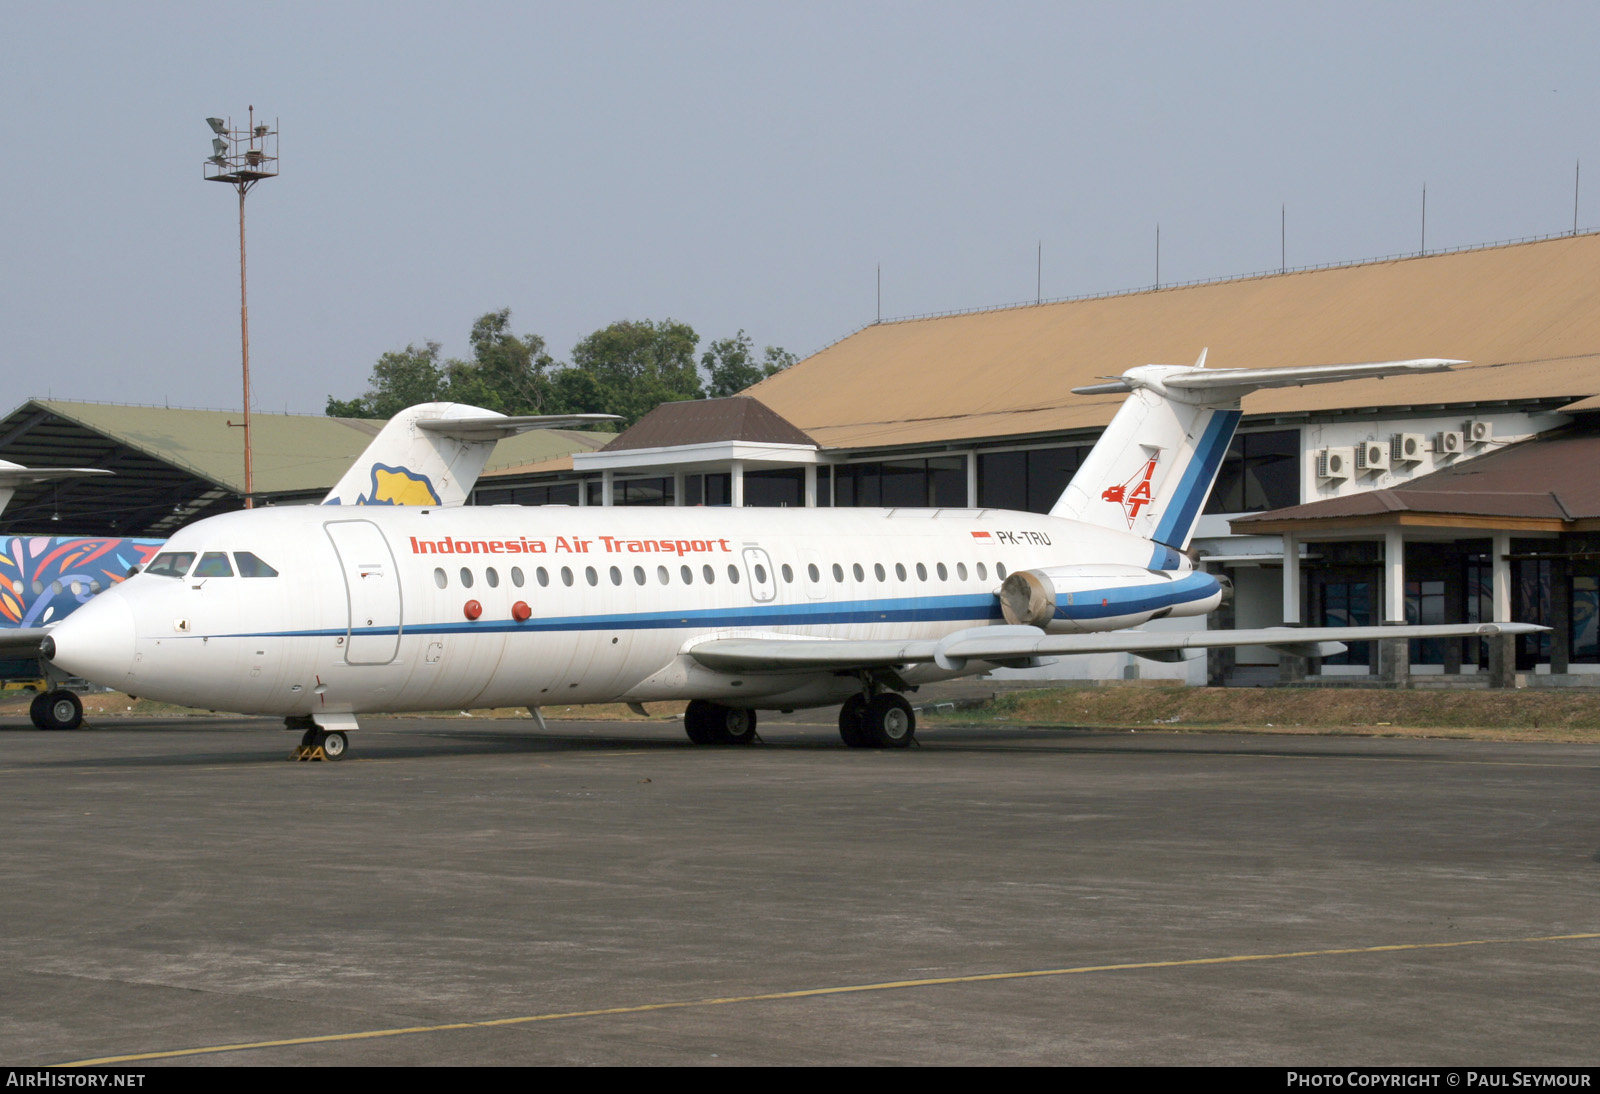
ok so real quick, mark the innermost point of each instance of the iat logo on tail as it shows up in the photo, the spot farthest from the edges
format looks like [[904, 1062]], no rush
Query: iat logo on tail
[[1134, 494]]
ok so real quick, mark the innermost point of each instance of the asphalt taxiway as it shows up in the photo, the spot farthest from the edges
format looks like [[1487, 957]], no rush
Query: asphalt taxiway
[[460, 892]]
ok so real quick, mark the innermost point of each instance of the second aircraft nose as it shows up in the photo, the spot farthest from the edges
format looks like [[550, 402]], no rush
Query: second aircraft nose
[[96, 641]]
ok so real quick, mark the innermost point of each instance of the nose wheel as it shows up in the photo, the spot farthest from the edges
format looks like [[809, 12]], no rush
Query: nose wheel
[[59, 709]]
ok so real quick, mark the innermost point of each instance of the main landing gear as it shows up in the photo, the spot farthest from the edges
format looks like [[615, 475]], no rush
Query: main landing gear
[[709, 723], [884, 720], [58, 709]]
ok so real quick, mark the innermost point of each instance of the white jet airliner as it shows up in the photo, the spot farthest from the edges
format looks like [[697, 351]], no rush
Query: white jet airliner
[[323, 613]]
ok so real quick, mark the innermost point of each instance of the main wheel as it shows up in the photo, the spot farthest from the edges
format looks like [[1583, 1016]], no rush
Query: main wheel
[[59, 709], [851, 729], [335, 744], [888, 721], [735, 726], [699, 722], [309, 737]]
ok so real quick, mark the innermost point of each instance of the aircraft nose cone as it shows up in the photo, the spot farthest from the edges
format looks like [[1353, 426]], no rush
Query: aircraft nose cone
[[95, 642]]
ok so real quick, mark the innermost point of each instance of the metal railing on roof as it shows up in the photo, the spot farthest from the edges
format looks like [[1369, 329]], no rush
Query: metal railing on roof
[[1282, 271]]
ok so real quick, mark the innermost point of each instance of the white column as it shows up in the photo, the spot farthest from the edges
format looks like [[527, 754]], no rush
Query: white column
[[1502, 577], [1394, 576], [677, 487], [811, 486], [607, 488], [972, 480], [737, 489], [1291, 578], [583, 491]]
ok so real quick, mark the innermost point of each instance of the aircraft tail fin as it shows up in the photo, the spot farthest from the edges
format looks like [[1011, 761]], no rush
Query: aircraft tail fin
[[1153, 468], [433, 453]]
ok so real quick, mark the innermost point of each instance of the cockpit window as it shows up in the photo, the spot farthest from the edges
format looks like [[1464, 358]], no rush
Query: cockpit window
[[213, 564], [171, 563], [251, 566]]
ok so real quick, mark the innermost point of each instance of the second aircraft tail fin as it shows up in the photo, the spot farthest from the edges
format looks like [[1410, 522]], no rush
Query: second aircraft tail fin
[[433, 453]]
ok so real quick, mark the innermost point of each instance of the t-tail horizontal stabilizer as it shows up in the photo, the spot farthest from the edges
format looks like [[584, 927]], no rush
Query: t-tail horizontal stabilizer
[[13, 475], [1154, 466], [433, 453]]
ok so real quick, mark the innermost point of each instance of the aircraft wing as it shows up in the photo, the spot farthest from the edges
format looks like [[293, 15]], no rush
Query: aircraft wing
[[21, 641], [1007, 643]]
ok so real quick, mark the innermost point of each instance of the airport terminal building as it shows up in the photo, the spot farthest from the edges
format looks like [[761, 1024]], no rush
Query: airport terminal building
[[1463, 495]]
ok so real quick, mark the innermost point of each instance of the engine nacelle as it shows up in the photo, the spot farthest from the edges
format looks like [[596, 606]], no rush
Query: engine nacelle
[[1069, 599]]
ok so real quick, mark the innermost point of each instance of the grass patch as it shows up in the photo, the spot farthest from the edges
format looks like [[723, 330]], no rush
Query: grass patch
[[1503, 715]]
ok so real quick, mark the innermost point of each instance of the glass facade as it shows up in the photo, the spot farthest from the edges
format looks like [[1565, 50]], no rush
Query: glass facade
[[1261, 471], [1029, 480]]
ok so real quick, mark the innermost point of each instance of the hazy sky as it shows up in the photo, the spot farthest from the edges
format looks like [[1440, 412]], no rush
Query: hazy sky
[[728, 165]]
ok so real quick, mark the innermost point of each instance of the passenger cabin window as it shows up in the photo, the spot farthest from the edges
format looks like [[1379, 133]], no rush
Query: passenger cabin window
[[251, 566], [440, 579], [171, 563]]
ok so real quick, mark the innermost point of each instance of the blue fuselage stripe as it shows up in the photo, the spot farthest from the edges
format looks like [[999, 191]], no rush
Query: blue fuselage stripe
[[1095, 604], [1197, 478]]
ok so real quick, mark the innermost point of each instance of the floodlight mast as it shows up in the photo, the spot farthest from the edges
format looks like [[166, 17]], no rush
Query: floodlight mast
[[241, 158]]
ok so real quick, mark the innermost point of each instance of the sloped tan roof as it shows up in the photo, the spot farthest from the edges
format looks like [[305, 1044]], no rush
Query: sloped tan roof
[[1527, 317]]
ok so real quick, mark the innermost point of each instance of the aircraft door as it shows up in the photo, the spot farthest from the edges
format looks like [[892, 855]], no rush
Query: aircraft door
[[758, 571], [372, 586]]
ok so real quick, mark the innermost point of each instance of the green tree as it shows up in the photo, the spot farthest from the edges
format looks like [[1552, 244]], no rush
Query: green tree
[[399, 379], [632, 366], [507, 373], [731, 366]]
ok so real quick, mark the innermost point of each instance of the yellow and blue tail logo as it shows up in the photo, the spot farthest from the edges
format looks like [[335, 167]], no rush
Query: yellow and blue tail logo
[[396, 486]]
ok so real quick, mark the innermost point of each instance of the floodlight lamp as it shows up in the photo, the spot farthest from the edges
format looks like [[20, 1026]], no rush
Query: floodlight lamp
[[219, 147], [261, 130], [218, 126]]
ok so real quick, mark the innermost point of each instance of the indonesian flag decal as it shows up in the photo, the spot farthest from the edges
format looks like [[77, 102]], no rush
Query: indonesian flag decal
[[1134, 494], [981, 535]]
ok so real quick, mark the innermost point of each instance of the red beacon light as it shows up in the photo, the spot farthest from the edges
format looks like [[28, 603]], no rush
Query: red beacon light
[[520, 611], [473, 609]]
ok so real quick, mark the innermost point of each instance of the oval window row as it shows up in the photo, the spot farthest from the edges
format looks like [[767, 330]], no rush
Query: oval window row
[[708, 574]]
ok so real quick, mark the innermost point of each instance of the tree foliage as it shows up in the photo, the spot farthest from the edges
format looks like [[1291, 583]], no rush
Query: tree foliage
[[731, 366], [627, 368]]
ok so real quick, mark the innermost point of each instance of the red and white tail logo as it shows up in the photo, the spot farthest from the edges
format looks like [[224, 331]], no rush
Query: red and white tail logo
[[1134, 494]]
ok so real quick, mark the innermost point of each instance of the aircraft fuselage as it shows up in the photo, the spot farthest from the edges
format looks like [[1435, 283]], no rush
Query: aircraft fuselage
[[401, 609]]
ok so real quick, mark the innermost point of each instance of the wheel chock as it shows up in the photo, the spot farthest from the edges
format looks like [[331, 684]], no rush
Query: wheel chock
[[307, 753]]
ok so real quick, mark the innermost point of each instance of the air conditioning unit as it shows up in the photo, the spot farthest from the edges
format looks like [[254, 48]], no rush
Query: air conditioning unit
[[1478, 432], [1372, 456], [1449, 444], [1407, 447], [1334, 463]]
